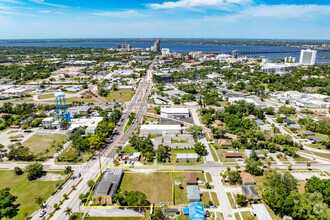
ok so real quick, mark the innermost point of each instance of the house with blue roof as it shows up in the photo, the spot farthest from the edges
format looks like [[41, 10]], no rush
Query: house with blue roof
[[195, 211]]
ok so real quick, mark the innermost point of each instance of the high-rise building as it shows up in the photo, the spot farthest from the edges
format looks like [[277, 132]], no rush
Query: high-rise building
[[307, 57], [156, 47], [289, 59]]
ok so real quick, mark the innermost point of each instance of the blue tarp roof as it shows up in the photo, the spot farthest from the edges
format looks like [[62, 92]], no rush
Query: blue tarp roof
[[195, 211]]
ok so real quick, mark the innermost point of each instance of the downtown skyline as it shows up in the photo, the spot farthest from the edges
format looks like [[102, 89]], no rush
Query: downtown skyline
[[40, 19]]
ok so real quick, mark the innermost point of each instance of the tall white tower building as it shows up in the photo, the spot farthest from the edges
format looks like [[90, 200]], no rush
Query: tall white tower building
[[307, 57]]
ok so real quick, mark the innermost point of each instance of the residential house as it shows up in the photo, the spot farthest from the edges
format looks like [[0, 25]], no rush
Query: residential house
[[224, 143], [183, 157], [193, 193], [195, 211], [261, 211], [247, 179], [191, 178], [233, 155], [250, 192]]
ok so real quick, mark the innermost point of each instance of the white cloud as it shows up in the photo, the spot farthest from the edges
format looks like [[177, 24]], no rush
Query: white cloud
[[42, 2], [45, 11], [120, 14], [276, 12], [198, 3]]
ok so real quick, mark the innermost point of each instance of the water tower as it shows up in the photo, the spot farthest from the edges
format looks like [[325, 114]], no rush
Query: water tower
[[60, 105]]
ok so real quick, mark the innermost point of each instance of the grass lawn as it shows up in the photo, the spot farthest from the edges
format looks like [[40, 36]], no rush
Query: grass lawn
[[327, 156], [209, 177], [180, 194], [120, 96], [301, 160], [128, 149], [215, 199], [148, 118], [39, 143], [76, 99], [156, 185], [214, 154], [237, 217], [182, 141], [105, 218], [72, 155], [206, 198], [248, 216], [26, 191], [47, 96], [151, 110], [231, 200]]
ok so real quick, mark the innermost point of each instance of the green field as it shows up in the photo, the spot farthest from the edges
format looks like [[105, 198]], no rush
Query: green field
[[120, 96], [47, 96], [180, 194], [248, 216], [26, 191], [39, 143], [156, 185]]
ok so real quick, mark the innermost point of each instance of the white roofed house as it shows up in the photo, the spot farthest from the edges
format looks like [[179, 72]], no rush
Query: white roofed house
[[177, 113], [161, 129], [183, 157]]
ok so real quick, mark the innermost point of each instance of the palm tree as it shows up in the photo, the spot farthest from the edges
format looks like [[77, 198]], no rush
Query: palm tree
[[68, 211], [68, 170], [39, 200]]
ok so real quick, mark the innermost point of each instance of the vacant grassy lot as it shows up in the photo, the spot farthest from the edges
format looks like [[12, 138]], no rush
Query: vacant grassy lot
[[128, 149], [231, 200], [215, 199], [248, 216], [206, 198], [120, 96], [156, 185], [26, 191], [148, 118], [39, 143], [180, 194], [47, 96]]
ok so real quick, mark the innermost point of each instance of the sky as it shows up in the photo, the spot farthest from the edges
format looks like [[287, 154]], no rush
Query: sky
[[264, 19]]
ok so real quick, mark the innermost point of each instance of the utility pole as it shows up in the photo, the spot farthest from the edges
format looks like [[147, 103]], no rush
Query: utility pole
[[100, 159]]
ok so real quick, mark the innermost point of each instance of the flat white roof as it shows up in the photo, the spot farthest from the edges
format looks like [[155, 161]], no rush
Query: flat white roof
[[187, 155], [261, 211], [160, 127], [175, 110]]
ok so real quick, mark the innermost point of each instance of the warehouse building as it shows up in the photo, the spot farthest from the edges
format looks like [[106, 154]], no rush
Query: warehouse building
[[107, 186], [161, 129], [177, 113]]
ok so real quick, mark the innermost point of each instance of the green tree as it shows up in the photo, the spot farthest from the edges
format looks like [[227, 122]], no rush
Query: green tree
[[200, 148], [158, 215], [7, 207], [18, 171], [39, 200], [34, 171], [195, 130], [68, 170], [68, 211], [90, 183], [234, 177], [241, 200], [252, 167]]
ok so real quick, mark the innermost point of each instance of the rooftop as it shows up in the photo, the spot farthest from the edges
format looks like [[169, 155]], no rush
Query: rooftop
[[109, 183], [175, 110]]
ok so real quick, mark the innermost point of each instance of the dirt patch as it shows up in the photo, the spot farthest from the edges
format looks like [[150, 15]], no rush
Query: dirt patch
[[51, 177]]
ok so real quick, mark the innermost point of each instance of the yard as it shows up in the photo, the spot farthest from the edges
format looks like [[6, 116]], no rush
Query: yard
[[248, 216], [206, 198], [26, 198], [47, 96], [120, 96], [221, 155], [156, 185], [148, 118], [72, 155], [44, 145]]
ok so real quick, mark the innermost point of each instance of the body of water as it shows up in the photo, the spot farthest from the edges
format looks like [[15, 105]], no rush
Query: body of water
[[280, 52]]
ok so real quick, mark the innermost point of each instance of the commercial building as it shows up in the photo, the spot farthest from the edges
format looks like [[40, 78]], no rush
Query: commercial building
[[165, 51], [261, 212], [307, 57], [161, 129], [183, 157], [162, 77], [177, 113], [193, 193], [47, 122], [84, 110], [290, 59], [108, 186], [89, 123]]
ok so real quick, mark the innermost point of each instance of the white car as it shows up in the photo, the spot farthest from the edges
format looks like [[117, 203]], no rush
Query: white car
[[42, 213]]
